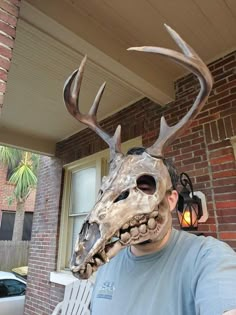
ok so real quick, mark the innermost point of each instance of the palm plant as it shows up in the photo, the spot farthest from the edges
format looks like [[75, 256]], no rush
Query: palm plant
[[24, 179]]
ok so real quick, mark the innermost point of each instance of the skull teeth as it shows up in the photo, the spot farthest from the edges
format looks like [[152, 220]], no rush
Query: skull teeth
[[98, 261], [151, 223], [144, 223], [154, 214], [125, 237], [134, 232], [125, 226], [143, 229]]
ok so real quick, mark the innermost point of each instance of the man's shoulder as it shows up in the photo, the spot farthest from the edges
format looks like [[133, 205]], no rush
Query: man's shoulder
[[204, 246]]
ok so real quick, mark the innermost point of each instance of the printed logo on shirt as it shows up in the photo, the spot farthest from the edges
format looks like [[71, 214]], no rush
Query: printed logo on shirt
[[106, 290]]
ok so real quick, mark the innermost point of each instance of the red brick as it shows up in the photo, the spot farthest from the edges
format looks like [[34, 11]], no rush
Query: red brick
[[228, 235], [4, 63], [9, 19], [228, 111], [3, 75], [226, 86], [227, 173], [226, 197], [5, 52], [230, 65], [227, 227], [221, 152], [219, 96], [227, 220], [225, 212], [227, 99], [6, 41], [16, 2], [9, 8], [223, 159], [222, 167], [225, 204], [4, 27], [220, 144], [224, 61]]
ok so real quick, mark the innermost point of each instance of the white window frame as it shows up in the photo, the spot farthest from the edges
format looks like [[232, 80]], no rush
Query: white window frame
[[100, 161]]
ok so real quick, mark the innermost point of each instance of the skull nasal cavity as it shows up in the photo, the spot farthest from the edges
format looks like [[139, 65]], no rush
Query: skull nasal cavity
[[147, 184], [122, 196]]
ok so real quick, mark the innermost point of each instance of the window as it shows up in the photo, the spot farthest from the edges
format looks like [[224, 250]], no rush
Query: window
[[3, 290], [81, 184], [83, 196], [7, 226], [27, 227], [11, 287]]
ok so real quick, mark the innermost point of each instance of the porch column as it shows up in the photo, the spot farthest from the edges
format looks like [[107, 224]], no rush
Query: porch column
[[43, 247], [9, 13]]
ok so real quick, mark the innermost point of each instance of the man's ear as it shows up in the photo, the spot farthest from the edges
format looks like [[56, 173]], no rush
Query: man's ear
[[172, 199]]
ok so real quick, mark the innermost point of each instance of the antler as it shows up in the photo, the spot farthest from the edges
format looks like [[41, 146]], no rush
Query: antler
[[71, 98], [192, 62]]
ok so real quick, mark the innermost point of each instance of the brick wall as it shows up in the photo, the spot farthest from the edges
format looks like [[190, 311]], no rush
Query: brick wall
[[6, 191], [204, 151], [41, 295], [9, 12]]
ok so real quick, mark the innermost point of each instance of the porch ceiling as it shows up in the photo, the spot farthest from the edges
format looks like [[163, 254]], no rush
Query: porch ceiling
[[52, 37]]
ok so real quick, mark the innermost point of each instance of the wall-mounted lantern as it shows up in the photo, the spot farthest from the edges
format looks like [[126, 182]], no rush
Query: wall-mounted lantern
[[189, 207]]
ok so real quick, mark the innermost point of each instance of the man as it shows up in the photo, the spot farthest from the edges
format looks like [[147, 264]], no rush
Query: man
[[180, 274], [153, 268]]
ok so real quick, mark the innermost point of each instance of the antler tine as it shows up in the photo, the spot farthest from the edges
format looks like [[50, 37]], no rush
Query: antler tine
[[190, 60], [71, 99]]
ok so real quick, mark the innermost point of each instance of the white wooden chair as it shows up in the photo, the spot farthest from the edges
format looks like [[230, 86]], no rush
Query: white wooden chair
[[76, 299]]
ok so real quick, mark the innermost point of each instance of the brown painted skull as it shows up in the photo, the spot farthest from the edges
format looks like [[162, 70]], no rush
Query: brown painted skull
[[125, 213]]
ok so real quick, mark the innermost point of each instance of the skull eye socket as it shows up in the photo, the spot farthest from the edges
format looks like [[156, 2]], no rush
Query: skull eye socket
[[146, 184], [122, 196]]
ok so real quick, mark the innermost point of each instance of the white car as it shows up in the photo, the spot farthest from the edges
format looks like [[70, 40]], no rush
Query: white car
[[12, 294]]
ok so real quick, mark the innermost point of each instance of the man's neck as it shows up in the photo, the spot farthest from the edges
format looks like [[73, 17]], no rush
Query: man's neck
[[152, 247]]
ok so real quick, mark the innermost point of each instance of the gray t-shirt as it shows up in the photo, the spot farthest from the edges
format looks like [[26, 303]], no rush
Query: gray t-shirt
[[191, 275]]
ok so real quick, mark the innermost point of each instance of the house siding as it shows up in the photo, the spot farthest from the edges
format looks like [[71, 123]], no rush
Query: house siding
[[204, 151]]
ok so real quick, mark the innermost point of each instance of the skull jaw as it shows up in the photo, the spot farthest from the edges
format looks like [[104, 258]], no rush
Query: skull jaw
[[102, 251]]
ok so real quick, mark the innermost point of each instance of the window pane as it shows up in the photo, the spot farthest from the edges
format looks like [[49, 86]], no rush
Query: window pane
[[7, 225], [77, 224], [27, 227], [14, 287], [3, 290], [83, 191]]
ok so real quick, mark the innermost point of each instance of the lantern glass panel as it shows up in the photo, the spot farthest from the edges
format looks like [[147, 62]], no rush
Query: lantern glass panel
[[188, 218]]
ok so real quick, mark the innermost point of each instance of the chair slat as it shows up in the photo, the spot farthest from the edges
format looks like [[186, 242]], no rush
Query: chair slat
[[83, 300], [76, 300]]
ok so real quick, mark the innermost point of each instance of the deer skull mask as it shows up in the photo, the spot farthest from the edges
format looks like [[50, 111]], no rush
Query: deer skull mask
[[125, 214]]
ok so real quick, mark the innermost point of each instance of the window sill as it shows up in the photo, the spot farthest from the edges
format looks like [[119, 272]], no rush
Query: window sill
[[62, 277]]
